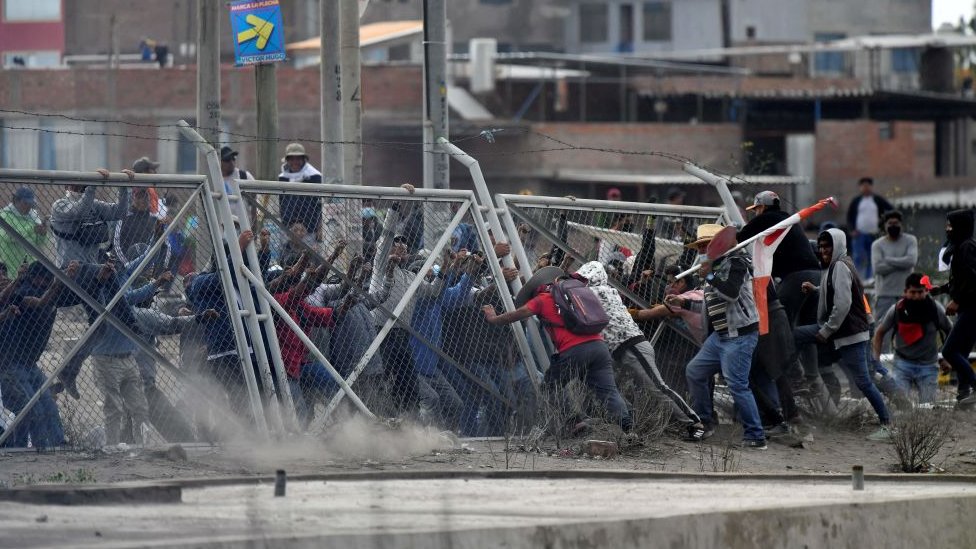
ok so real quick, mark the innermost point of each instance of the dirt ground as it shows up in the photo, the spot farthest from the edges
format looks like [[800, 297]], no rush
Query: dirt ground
[[826, 449]]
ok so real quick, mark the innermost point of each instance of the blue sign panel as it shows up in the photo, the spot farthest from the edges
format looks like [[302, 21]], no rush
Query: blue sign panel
[[259, 34]]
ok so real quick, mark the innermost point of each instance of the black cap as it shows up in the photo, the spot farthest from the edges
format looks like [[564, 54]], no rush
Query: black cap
[[674, 192], [227, 153]]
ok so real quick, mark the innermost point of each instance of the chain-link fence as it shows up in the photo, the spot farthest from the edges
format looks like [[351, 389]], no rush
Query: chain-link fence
[[369, 293], [75, 245], [388, 285], [640, 246]]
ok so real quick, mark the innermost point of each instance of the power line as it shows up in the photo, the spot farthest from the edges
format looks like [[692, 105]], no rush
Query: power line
[[487, 135]]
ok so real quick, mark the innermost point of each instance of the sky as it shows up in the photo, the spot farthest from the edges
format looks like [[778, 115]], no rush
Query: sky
[[944, 11]]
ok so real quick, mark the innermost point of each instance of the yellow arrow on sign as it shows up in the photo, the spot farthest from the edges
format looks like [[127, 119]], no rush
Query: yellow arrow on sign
[[261, 30]]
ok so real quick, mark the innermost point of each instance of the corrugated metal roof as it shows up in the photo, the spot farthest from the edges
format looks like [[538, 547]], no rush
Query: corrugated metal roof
[[856, 43], [958, 198], [373, 33]]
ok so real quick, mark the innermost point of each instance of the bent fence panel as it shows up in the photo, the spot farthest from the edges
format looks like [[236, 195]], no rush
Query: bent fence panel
[[73, 375], [396, 315], [641, 246]]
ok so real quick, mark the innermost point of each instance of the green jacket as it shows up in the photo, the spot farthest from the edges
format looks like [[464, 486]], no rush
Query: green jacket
[[13, 254]]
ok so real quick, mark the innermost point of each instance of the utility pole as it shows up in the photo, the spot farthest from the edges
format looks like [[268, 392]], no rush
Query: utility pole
[[331, 85], [208, 74], [352, 129], [266, 86], [436, 164]]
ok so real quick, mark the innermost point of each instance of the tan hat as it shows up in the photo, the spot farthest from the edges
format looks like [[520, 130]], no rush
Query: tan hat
[[706, 232], [294, 149]]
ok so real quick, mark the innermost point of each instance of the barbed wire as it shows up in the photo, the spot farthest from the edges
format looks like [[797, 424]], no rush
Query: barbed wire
[[250, 138], [488, 135]]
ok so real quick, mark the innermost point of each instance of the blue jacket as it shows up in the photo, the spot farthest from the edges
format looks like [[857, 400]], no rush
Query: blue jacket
[[207, 292], [427, 320]]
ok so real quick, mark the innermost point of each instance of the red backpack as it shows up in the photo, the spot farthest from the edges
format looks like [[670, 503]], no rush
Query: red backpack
[[578, 306]]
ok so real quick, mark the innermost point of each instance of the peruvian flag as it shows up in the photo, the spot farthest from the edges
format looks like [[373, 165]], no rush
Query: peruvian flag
[[764, 246]]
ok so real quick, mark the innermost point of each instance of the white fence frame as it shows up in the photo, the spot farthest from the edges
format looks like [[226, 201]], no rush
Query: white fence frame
[[198, 184], [430, 197]]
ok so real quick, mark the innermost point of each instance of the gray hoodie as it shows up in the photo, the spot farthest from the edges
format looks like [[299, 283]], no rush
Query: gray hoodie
[[622, 328], [841, 311]]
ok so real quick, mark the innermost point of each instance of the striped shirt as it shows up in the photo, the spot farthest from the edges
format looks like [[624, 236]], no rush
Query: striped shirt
[[717, 310]]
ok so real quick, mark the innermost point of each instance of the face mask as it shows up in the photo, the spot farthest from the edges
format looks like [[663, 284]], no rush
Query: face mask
[[702, 258], [893, 231]]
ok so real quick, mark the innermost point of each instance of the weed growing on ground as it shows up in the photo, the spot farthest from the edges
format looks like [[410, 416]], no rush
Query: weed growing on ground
[[918, 436]]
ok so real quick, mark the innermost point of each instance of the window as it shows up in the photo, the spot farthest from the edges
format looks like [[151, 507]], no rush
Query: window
[[830, 61], [904, 60], [48, 145], [593, 20], [657, 21], [750, 32], [626, 15], [32, 10], [31, 59], [886, 131]]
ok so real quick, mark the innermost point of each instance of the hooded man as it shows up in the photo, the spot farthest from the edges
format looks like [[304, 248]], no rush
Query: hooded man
[[961, 257], [843, 320], [631, 350]]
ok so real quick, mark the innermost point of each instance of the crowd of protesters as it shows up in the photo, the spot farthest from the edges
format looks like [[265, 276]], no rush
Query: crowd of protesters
[[448, 356]]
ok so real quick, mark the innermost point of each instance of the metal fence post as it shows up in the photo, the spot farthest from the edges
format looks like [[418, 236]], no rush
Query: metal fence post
[[721, 185], [484, 195], [221, 226]]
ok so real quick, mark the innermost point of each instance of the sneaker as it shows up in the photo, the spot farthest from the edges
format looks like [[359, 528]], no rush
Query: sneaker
[[881, 435], [780, 430], [696, 432], [750, 444], [966, 398]]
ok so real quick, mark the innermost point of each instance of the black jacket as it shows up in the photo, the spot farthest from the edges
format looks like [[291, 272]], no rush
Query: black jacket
[[962, 266], [883, 206], [793, 254]]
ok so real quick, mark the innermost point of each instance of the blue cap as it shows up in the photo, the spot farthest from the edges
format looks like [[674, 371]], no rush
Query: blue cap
[[24, 194], [368, 213]]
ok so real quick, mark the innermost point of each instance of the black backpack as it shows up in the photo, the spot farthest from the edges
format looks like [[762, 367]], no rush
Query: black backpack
[[578, 306]]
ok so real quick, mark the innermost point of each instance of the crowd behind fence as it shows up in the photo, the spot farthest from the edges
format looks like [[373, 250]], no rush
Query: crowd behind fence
[[377, 312]]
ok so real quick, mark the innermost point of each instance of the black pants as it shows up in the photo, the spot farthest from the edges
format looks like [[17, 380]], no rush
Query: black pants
[[399, 370]]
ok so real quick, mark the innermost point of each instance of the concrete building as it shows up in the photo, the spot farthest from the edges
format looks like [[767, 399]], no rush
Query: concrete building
[[32, 34]]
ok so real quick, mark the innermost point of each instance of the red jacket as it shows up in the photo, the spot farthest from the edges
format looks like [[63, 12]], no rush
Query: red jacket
[[293, 351]]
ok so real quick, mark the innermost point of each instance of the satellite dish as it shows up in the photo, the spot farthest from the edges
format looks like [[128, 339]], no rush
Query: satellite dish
[[362, 7]]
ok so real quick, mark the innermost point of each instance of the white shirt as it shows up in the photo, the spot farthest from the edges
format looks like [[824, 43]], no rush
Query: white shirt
[[867, 215]]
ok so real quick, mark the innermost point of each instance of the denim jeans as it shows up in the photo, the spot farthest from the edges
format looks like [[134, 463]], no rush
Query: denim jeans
[[43, 422], [733, 357], [861, 254], [957, 347], [854, 361], [925, 376]]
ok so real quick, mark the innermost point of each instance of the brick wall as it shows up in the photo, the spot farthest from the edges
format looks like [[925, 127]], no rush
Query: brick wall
[[849, 150]]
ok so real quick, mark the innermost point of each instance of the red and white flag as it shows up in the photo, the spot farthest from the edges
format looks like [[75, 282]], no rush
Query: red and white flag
[[764, 246]]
